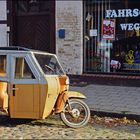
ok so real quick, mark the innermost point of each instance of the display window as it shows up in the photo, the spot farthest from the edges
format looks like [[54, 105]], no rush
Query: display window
[[112, 36]]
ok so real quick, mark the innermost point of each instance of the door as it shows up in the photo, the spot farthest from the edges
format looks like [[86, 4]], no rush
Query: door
[[33, 24], [24, 90]]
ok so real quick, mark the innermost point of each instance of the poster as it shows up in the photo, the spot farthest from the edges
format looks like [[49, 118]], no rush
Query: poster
[[108, 29]]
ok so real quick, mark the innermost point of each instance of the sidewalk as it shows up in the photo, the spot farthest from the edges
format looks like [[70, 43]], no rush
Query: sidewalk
[[112, 99]]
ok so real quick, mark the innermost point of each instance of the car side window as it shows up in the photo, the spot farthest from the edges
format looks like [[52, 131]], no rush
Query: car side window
[[3, 63], [22, 70]]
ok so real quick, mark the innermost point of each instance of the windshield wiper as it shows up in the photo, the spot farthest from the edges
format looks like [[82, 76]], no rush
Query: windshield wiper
[[50, 68]]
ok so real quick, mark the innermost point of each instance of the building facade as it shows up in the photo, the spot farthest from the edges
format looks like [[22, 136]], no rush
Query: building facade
[[69, 48], [92, 36], [107, 32], [4, 38]]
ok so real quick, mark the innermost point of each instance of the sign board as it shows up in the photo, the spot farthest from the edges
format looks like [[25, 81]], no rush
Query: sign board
[[92, 32], [108, 29]]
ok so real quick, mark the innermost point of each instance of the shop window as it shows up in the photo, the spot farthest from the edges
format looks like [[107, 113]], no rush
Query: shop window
[[22, 70], [3, 65], [112, 36]]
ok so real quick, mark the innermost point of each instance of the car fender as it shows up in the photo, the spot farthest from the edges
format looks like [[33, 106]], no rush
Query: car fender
[[75, 94], [63, 97]]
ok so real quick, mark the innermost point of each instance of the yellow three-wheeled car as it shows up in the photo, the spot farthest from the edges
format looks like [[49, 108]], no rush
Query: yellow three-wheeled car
[[34, 85]]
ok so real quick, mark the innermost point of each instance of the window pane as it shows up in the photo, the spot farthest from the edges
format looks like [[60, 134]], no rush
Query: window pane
[[112, 36], [44, 5], [49, 64], [29, 6], [22, 70], [3, 65], [22, 6]]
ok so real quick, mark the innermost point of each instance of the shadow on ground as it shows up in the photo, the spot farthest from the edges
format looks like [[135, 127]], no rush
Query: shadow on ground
[[51, 121]]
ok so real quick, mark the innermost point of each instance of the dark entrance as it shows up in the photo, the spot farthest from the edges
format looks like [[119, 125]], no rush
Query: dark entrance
[[32, 24]]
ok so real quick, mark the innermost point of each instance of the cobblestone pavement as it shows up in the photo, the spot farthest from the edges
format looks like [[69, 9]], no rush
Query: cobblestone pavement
[[53, 128]]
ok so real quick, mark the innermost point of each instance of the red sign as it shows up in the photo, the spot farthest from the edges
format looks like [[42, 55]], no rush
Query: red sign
[[108, 29]]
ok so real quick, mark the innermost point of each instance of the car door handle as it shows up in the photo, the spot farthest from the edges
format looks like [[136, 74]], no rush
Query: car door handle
[[15, 88]]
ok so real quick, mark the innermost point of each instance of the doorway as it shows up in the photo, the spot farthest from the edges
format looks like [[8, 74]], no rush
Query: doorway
[[32, 24]]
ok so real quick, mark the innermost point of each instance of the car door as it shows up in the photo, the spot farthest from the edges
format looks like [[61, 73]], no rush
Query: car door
[[24, 89], [4, 74]]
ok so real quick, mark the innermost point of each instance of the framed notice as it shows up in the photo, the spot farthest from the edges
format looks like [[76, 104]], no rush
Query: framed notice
[[108, 29]]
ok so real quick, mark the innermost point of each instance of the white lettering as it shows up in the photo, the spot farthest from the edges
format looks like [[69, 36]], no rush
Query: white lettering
[[130, 26], [114, 14], [125, 13], [108, 13], [121, 13], [129, 13], [123, 26], [137, 26], [135, 12]]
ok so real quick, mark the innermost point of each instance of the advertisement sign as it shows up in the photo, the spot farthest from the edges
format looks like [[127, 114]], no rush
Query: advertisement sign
[[92, 32], [108, 29]]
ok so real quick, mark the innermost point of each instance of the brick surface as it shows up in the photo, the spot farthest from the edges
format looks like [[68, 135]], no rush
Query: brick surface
[[116, 99], [3, 27], [69, 49]]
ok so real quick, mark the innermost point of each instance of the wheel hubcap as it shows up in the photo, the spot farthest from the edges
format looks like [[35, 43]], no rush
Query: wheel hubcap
[[75, 113]]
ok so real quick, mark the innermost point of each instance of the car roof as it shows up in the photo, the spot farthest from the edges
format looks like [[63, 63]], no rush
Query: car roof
[[22, 49], [16, 48]]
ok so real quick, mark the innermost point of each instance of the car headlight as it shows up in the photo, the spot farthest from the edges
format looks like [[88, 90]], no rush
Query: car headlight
[[67, 81]]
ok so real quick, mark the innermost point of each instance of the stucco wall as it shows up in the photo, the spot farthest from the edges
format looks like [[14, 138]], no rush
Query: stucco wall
[[69, 16], [3, 27]]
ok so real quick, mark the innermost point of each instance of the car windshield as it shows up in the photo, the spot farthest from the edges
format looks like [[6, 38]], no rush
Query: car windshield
[[49, 64]]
